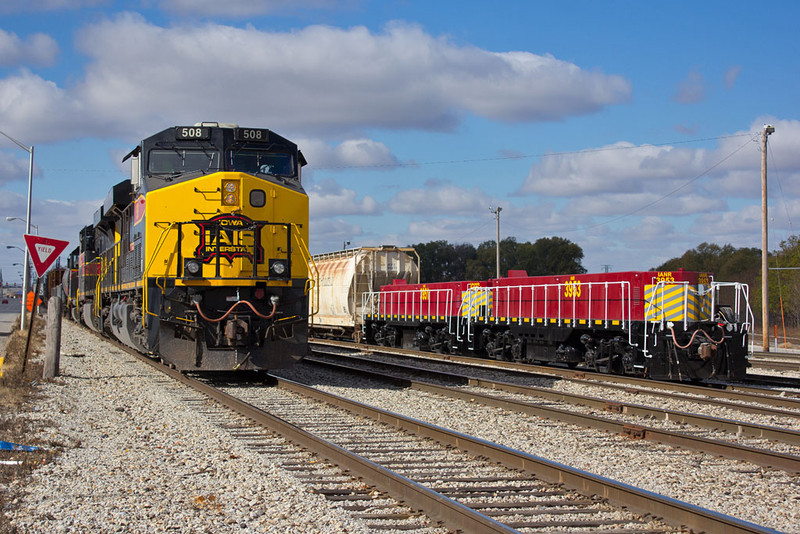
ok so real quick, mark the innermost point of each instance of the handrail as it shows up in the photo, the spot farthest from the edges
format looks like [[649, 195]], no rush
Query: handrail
[[159, 244], [311, 283], [96, 304]]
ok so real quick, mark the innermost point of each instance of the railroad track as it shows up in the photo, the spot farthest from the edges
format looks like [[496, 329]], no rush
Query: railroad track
[[776, 361], [623, 417], [750, 394], [459, 482]]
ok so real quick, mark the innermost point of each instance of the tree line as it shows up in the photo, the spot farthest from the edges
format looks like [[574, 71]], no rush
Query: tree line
[[442, 261]]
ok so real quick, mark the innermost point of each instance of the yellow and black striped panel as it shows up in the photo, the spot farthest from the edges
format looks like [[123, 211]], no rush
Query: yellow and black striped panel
[[476, 302], [676, 302]]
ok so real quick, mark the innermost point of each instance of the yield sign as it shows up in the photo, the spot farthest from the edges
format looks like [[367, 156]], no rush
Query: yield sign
[[44, 251]]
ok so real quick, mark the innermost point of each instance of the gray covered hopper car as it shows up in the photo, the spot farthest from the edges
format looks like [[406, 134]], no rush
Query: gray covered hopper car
[[344, 276]]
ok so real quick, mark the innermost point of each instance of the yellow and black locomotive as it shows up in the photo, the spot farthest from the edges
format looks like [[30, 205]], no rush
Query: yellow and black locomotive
[[201, 257]]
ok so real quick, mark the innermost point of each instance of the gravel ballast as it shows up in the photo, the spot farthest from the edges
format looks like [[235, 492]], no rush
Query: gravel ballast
[[744, 490], [138, 458]]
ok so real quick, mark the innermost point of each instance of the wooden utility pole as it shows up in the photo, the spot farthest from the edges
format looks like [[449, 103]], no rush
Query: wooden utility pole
[[52, 351], [768, 129]]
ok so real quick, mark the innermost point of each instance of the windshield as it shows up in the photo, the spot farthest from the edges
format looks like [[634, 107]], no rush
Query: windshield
[[181, 160], [259, 161]]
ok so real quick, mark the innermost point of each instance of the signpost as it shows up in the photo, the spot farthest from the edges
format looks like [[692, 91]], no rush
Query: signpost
[[43, 251]]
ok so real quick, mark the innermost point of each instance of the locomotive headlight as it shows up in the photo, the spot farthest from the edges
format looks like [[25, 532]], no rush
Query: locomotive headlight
[[230, 192], [193, 267], [277, 266]]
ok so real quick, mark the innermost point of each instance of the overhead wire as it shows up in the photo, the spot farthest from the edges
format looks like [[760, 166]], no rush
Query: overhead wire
[[752, 137], [526, 156], [669, 194]]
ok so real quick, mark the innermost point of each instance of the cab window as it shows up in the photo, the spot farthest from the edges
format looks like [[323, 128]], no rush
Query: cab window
[[179, 161], [261, 162]]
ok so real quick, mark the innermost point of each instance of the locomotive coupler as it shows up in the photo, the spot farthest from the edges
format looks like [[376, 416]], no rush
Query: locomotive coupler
[[236, 331], [707, 351]]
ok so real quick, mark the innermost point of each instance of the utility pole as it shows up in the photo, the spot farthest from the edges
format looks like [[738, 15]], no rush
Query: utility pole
[[768, 129], [497, 216]]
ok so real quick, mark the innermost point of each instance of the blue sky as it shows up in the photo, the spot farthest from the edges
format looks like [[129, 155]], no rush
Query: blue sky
[[630, 128]]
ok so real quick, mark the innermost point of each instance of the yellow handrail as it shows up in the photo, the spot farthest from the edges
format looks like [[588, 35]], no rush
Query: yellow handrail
[[311, 282], [146, 309], [100, 277]]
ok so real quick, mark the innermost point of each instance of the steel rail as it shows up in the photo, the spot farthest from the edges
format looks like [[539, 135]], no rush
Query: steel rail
[[770, 356], [726, 449], [754, 430], [725, 391], [780, 365], [452, 513], [641, 501]]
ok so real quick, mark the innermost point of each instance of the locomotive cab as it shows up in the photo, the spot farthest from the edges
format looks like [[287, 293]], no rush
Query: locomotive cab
[[202, 254]]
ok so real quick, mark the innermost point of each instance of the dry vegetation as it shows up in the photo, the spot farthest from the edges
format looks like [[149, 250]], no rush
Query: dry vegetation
[[17, 389]]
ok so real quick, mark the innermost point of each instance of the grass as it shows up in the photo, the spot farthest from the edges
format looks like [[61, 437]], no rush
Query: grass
[[17, 388]]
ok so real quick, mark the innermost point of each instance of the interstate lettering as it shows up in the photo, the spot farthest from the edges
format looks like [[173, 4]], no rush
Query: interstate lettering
[[229, 236]]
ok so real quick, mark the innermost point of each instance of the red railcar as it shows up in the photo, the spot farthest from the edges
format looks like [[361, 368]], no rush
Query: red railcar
[[599, 298], [439, 303], [676, 324]]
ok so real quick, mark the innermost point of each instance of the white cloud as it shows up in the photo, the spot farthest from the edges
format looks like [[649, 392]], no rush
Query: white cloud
[[731, 75], [37, 110], [12, 168], [731, 226], [57, 219], [449, 229], [650, 229], [329, 199], [37, 49], [618, 167], [691, 90], [637, 175], [349, 153], [318, 79], [327, 234], [244, 8], [34, 6], [444, 199], [620, 203]]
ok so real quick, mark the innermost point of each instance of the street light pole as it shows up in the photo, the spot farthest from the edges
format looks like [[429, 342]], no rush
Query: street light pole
[[36, 228], [497, 216], [26, 270]]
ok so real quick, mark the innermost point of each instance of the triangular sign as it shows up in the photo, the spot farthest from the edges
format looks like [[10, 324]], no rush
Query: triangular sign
[[44, 251]]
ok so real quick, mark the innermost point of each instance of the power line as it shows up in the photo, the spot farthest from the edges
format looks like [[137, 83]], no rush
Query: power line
[[472, 160], [528, 156], [653, 203]]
